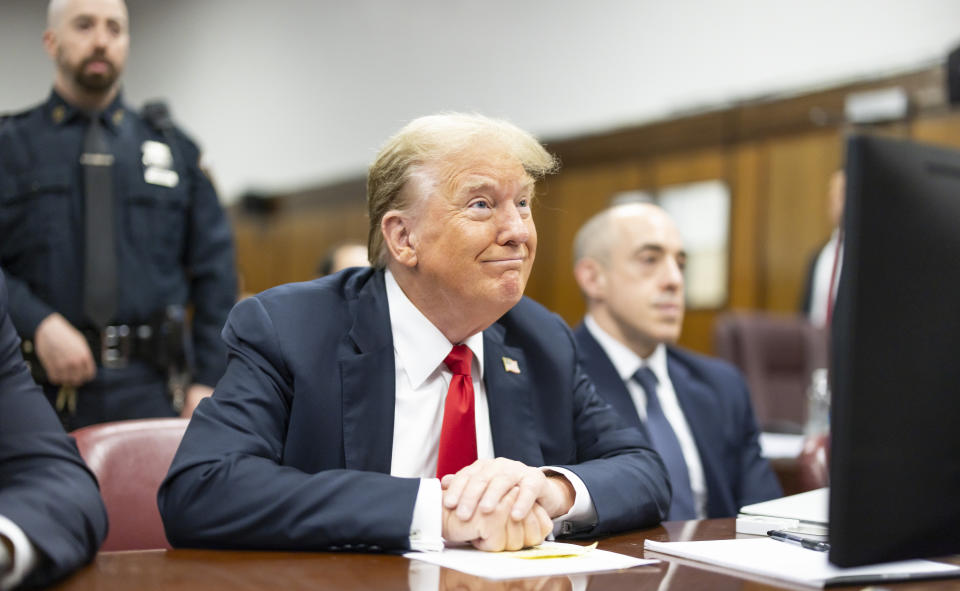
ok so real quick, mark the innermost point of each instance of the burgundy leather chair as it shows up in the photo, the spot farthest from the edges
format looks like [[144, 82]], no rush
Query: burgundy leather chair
[[130, 459], [777, 354]]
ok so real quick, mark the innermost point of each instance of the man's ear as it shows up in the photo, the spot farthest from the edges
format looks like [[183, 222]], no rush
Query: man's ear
[[50, 43], [396, 229], [591, 278]]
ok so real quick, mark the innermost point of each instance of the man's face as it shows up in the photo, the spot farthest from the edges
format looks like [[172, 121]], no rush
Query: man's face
[[473, 230], [642, 283], [89, 43]]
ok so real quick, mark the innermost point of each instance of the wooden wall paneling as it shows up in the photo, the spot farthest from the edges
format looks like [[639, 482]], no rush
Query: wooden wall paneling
[[287, 246], [254, 263], [310, 233], [796, 222], [689, 167], [697, 332], [701, 130], [548, 211], [943, 129], [569, 199], [748, 175]]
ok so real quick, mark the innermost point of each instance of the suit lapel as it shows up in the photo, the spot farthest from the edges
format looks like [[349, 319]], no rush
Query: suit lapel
[[367, 372], [508, 396], [703, 416], [605, 378]]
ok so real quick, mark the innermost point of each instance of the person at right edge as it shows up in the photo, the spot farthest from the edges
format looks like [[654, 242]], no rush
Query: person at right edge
[[823, 270], [629, 262], [111, 231]]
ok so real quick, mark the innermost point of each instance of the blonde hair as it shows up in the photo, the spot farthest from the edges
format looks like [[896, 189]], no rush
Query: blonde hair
[[434, 138]]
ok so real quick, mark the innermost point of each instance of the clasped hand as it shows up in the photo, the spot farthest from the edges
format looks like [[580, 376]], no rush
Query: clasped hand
[[502, 504], [63, 352]]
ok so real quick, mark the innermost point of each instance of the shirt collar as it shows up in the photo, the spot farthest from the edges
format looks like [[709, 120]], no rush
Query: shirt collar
[[61, 112], [417, 343], [624, 360]]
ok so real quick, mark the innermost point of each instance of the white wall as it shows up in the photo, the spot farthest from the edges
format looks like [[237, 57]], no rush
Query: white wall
[[289, 93]]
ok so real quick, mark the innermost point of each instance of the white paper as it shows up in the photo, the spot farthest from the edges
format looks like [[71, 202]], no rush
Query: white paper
[[780, 445], [505, 565], [780, 561], [809, 507]]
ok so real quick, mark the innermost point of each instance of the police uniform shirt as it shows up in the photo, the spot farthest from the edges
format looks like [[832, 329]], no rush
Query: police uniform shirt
[[172, 237]]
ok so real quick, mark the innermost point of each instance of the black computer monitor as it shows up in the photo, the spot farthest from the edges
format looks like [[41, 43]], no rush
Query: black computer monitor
[[895, 357]]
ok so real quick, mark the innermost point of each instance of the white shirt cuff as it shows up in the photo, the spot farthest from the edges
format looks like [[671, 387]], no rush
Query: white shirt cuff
[[24, 555], [426, 529], [582, 515]]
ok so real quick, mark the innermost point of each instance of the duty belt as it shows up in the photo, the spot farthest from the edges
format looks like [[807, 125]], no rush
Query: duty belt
[[112, 348], [163, 344], [116, 345]]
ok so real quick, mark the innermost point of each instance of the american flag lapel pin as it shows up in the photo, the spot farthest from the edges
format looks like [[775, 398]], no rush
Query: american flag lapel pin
[[510, 365]]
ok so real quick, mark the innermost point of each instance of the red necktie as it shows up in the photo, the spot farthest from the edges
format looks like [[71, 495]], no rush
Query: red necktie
[[458, 436]]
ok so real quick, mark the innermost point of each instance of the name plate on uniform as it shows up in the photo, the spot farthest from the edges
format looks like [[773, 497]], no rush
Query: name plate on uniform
[[161, 176]]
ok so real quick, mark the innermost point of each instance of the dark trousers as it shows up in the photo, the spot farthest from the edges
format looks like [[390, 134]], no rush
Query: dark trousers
[[137, 391]]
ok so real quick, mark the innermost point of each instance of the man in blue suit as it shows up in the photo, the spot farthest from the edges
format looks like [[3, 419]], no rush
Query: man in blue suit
[[629, 263], [423, 400], [52, 519]]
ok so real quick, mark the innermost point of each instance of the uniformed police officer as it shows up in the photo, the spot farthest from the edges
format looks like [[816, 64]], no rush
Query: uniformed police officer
[[108, 229]]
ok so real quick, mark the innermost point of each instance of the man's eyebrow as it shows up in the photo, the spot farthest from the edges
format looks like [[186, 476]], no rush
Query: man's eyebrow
[[659, 249], [478, 185], [486, 185], [651, 246]]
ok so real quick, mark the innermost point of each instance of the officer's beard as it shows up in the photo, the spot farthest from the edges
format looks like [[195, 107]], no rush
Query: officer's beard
[[95, 82]]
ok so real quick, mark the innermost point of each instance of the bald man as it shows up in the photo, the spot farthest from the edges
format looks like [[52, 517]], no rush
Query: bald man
[[110, 230], [629, 263]]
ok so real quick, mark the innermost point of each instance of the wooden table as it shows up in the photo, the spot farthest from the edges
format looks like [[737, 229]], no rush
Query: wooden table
[[211, 570]]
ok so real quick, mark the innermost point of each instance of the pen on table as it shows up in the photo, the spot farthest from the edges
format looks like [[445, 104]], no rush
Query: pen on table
[[782, 536]]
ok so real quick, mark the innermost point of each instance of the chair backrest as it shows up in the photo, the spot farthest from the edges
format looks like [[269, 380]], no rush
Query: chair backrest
[[777, 354], [130, 460]]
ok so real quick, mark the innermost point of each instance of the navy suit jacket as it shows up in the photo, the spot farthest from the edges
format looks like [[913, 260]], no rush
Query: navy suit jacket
[[45, 487], [293, 450], [716, 404]]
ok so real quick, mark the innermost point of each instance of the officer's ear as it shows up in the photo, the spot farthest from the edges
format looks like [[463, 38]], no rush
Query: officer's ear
[[50, 43]]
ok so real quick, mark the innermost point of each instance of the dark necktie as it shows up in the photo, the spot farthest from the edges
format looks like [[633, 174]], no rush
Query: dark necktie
[[458, 436], [665, 442], [100, 258]]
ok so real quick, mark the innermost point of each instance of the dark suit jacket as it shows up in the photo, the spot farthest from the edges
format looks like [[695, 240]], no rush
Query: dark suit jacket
[[294, 448], [716, 404], [45, 487]]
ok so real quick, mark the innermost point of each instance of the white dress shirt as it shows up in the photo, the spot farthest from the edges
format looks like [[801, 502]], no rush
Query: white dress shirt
[[422, 380], [627, 363], [14, 569], [822, 276]]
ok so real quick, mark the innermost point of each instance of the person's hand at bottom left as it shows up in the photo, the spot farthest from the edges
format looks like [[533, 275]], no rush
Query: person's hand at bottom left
[[497, 530]]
